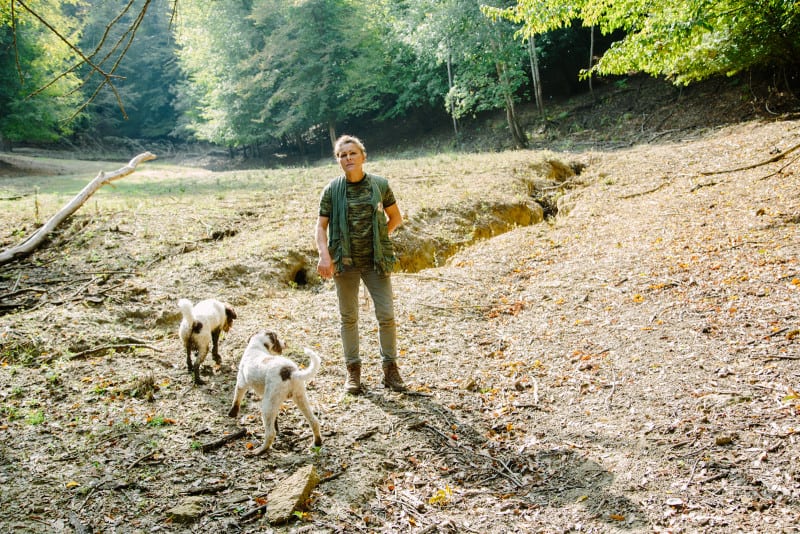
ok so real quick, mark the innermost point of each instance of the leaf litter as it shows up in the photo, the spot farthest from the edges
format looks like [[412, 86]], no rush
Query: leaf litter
[[631, 366]]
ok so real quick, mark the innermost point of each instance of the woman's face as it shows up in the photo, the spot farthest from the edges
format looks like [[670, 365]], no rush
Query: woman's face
[[351, 159]]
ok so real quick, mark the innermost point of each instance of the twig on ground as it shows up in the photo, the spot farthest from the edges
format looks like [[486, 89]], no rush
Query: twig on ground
[[613, 387], [429, 277], [89, 352], [770, 175], [700, 186], [223, 440], [451, 308], [754, 165], [16, 292], [206, 490], [142, 458], [642, 193], [510, 475], [253, 512]]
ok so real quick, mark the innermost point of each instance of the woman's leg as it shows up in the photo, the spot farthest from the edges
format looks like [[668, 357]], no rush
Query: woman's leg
[[347, 284], [380, 289]]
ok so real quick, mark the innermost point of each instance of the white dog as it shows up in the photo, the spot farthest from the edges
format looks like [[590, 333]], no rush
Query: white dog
[[200, 330], [274, 379]]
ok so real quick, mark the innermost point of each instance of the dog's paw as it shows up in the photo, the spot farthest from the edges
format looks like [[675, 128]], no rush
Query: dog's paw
[[257, 452]]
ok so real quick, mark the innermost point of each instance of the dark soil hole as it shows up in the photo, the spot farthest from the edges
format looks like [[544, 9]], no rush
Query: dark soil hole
[[300, 277], [217, 235]]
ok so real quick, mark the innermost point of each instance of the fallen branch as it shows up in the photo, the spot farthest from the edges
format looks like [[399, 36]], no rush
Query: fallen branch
[[141, 459], [754, 165], [642, 193], [89, 352], [30, 244], [206, 490], [23, 290], [223, 440], [259, 510], [770, 175]]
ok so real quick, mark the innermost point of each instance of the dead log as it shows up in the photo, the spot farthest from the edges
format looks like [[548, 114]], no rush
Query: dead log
[[30, 244]]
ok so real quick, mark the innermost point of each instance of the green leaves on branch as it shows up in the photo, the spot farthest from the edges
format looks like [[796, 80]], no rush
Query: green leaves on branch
[[683, 40]]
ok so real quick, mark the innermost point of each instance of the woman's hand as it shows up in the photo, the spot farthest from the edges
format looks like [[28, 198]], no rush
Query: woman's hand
[[325, 266]]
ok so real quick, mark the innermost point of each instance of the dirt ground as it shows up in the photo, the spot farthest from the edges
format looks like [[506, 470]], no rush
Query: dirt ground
[[631, 364]]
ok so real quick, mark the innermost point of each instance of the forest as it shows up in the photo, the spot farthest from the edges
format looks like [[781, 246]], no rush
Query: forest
[[265, 76]]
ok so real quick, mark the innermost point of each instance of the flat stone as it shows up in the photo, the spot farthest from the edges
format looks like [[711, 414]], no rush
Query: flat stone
[[290, 494], [188, 511]]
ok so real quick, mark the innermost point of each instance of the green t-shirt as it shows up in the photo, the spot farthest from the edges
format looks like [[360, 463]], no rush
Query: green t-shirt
[[359, 217]]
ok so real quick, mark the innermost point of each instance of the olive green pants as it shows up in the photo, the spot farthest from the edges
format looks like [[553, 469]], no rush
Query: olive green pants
[[379, 286]]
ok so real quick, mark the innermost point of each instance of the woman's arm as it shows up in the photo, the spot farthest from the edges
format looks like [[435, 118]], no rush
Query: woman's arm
[[395, 218], [325, 265]]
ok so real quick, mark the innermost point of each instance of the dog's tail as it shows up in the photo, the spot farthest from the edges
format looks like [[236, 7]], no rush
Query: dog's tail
[[186, 310], [309, 372]]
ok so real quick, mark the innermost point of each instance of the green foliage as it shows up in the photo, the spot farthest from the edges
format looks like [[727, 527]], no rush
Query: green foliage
[[270, 72], [684, 41], [159, 420], [20, 353], [484, 64], [36, 84], [35, 417], [214, 38], [141, 104], [10, 412]]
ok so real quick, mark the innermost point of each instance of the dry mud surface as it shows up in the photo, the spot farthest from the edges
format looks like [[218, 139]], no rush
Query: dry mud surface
[[631, 366]]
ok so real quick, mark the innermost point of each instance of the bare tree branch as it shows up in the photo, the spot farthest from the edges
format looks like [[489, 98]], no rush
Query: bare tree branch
[[30, 244], [124, 41], [754, 165], [63, 39]]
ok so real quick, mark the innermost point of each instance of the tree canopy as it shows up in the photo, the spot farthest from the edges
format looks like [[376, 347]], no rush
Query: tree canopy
[[37, 83], [266, 72], [684, 41]]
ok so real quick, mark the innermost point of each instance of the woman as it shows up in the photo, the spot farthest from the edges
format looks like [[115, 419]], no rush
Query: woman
[[357, 212]]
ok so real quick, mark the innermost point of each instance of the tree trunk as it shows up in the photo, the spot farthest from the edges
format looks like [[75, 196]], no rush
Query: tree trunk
[[332, 133], [299, 144], [450, 87], [591, 59], [537, 82], [517, 133], [30, 244]]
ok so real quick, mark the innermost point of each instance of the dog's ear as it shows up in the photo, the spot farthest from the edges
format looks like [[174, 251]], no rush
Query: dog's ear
[[230, 313], [272, 343]]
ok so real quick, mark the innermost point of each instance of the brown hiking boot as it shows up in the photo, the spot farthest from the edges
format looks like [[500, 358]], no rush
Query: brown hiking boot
[[391, 377], [353, 383]]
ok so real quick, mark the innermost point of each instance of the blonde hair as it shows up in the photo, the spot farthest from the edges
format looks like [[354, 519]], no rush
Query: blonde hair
[[343, 140]]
